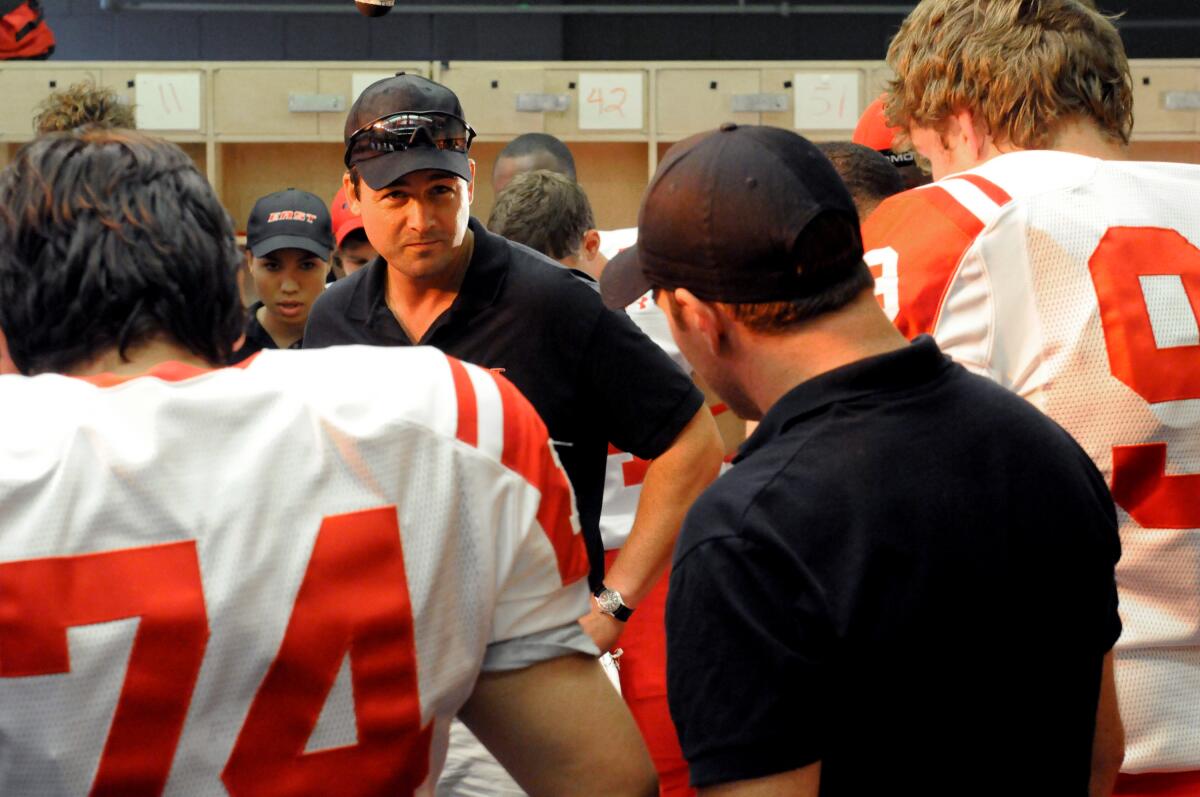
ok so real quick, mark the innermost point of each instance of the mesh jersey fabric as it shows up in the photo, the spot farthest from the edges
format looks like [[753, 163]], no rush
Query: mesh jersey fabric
[[253, 468], [1082, 294]]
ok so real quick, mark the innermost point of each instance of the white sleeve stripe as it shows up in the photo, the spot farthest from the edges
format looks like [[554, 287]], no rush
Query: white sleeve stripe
[[979, 204], [491, 412]]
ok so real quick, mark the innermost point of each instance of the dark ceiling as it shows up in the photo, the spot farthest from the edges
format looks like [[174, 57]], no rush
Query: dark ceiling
[[555, 29]]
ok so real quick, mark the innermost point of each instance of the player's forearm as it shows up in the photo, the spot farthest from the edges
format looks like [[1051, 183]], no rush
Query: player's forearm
[[673, 481]]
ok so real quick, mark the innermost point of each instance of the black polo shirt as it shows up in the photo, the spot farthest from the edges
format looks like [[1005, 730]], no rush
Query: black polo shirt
[[908, 576], [257, 338], [592, 375]]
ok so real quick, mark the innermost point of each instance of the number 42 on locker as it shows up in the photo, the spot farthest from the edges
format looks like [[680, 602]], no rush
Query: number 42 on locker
[[355, 555]]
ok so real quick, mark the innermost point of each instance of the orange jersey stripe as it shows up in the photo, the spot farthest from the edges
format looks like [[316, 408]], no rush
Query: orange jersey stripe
[[950, 208], [538, 465], [1158, 784], [171, 371], [930, 231]]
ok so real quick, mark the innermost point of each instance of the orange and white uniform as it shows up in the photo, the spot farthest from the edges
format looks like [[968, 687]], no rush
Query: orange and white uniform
[[1080, 290], [914, 241], [282, 578]]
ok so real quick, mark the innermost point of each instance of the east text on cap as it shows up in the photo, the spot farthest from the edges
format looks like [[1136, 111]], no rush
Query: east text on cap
[[290, 219]]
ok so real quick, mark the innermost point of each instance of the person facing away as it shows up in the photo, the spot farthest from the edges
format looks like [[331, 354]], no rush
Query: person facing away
[[288, 245], [550, 213], [869, 176], [909, 571], [284, 577], [1065, 88], [874, 132], [82, 104], [1043, 259]]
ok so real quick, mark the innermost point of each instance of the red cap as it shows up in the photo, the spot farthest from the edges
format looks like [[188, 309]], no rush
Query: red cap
[[872, 130], [345, 220]]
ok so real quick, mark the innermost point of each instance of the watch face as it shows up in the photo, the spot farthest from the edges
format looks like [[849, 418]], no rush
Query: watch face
[[609, 600]]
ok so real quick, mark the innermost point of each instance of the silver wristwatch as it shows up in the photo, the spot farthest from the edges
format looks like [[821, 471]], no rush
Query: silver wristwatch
[[611, 603]]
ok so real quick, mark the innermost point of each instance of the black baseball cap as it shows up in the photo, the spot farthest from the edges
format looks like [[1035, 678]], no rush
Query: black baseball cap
[[401, 93], [723, 215], [290, 219]]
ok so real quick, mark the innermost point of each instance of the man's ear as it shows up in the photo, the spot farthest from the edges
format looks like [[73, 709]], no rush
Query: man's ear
[[589, 253], [471, 182], [704, 317], [7, 366], [970, 133], [591, 244], [351, 194]]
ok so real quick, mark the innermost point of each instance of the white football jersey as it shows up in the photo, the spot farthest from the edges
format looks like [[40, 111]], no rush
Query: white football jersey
[[276, 579], [613, 241], [1083, 295], [624, 472]]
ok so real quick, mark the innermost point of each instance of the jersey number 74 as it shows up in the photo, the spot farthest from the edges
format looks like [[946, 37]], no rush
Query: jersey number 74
[[353, 599]]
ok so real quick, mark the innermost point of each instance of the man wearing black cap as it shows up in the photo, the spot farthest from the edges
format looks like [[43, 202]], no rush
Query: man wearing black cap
[[288, 241], [842, 603], [443, 280]]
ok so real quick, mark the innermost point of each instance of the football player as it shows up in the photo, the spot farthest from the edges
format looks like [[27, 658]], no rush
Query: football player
[[1044, 260], [283, 578]]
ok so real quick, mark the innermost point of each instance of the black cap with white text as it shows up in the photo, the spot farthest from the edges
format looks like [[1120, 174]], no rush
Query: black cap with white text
[[290, 219]]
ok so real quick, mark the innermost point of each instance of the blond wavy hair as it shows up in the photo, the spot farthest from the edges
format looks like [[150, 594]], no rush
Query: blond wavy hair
[[1023, 68], [82, 105]]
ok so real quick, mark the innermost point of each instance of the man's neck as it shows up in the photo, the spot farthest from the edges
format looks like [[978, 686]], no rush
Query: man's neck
[[772, 365], [1075, 137], [593, 266], [139, 359], [417, 303]]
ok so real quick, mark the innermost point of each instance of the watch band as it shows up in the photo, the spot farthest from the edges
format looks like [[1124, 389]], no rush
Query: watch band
[[622, 612]]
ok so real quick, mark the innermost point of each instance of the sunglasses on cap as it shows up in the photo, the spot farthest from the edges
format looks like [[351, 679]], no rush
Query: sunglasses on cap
[[401, 131]]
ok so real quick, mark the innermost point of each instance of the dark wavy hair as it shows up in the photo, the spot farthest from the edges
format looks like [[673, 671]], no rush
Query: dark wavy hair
[[869, 176], [109, 239]]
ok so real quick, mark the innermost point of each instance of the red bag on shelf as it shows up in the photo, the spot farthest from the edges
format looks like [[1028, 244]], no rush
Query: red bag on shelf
[[24, 33]]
